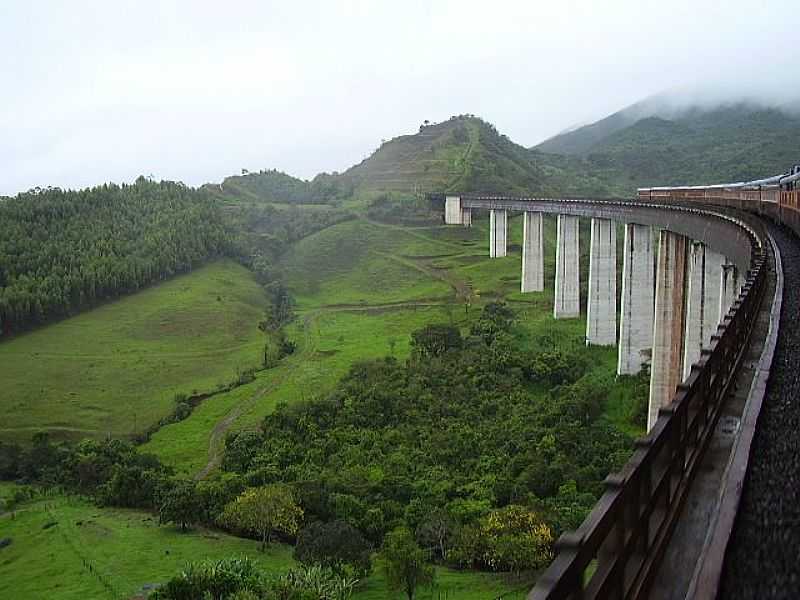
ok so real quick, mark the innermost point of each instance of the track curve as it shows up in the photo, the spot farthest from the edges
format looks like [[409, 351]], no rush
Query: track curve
[[763, 555]]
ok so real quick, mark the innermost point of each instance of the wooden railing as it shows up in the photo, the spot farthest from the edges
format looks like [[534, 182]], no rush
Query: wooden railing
[[614, 552]]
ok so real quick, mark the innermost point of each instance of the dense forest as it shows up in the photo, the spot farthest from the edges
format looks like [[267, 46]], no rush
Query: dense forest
[[271, 185], [469, 433], [64, 251]]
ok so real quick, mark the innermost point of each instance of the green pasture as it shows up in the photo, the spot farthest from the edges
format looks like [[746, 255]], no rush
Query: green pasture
[[65, 548], [116, 369]]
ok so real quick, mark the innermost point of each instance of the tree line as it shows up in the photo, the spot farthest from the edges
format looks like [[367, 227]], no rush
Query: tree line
[[64, 251]]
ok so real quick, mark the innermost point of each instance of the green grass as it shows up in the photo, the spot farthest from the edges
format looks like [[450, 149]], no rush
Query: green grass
[[105, 553], [115, 370], [94, 552], [328, 343], [360, 262]]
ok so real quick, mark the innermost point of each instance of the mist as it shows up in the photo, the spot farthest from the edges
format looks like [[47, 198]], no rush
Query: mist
[[190, 91]]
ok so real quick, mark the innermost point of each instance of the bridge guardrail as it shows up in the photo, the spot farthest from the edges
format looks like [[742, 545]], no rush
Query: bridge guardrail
[[612, 554]]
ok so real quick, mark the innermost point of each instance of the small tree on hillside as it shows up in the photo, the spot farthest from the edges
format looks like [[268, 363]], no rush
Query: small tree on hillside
[[179, 504], [264, 510], [405, 563]]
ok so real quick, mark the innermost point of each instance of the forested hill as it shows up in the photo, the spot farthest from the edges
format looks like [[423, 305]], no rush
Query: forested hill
[[692, 146], [64, 251], [273, 186], [463, 153]]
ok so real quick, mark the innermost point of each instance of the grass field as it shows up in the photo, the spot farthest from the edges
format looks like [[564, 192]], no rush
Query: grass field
[[115, 370], [91, 552]]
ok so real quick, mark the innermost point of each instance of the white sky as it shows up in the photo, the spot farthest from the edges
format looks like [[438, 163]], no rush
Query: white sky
[[106, 90]]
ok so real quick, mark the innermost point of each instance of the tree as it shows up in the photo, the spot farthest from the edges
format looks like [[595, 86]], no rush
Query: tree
[[435, 531], [517, 538], [179, 503], [336, 545], [435, 340], [404, 563], [264, 510]]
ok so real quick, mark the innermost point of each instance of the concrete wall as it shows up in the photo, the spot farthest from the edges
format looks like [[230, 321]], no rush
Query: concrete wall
[[638, 297], [532, 253], [567, 293], [601, 310], [498, 226], [666, 370]]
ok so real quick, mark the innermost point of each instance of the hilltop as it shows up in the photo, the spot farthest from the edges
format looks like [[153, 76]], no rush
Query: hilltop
[[464, 153], [694, 144], [653, 142]]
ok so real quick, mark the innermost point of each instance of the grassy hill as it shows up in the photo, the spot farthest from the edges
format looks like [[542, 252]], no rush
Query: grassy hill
[[689, 146], [462, 154], [115, 370]]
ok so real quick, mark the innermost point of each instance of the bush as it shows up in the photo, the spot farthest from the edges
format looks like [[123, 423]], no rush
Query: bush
[[219, 580], [336, 545]]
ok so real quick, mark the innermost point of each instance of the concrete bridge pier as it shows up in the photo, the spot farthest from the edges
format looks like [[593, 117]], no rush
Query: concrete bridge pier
[[702, 302], [455, 214], [601, 311], [567, 304], [532, 253], [666, 370], [727, 288], [636, 318], [498, 225]]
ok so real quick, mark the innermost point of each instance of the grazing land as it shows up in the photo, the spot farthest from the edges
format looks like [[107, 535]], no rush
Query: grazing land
[[73, 550], [116, 369]]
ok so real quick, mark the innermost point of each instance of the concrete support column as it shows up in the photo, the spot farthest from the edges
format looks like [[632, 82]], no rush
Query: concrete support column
[[452, 210], [727, 288], [638, 289], [532, 253], [702, 302], [567, 297], [466, 217], [601, 310], [498, 220], [666, 371]]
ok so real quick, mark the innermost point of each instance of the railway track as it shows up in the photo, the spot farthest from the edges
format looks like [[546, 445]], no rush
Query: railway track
[[763, 555]]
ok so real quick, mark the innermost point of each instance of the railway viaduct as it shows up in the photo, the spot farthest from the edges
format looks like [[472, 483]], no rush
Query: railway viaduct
[[702, 290]]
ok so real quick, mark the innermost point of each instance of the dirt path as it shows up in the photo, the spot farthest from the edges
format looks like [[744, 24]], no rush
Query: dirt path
[[463, 293], [221, 428]]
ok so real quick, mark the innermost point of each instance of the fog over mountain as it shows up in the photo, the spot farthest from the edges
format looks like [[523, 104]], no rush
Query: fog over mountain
[[195, 91]]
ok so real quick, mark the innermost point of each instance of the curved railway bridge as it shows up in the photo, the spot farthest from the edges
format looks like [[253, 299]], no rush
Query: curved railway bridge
[[708, 506]]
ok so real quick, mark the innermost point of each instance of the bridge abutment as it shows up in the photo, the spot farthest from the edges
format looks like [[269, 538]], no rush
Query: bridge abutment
[[636, 319], [601, 310], [666, 370], [532, 253], [567, 304], [498, 227]]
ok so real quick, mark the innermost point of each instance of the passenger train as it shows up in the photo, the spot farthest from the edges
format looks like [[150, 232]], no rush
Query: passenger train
[[777, 197]]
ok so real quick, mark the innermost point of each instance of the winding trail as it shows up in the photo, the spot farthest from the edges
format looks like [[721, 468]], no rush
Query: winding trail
[[462, 290]]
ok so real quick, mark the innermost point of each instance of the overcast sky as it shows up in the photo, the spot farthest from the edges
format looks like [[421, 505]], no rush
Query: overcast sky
[[105, 90]]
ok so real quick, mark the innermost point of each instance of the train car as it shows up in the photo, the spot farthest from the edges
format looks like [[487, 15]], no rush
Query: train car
[[777, 197]]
